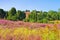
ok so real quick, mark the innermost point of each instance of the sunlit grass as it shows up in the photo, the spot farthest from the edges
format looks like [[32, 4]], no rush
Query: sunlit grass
[[44, 33]]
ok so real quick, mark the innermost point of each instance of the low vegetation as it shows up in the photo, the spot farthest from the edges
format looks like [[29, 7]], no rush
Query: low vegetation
[[24, 33], [15, 30]]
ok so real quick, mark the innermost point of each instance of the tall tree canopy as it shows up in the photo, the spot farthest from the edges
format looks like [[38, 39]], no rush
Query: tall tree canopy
[[2, 13], [34, 16], [11, 14]]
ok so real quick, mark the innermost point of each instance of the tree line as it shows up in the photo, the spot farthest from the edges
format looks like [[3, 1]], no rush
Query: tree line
[[12, 14], [34, 16]]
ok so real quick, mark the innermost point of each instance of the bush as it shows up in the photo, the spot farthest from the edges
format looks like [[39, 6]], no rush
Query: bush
[[44, 21]]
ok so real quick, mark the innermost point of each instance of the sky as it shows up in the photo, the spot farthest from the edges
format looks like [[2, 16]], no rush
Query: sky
[[44, 5]]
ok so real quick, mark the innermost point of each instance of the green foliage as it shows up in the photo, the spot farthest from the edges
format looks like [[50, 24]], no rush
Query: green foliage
[[12, 14], [20, 15], [6, 15], [14, 18], [44, 20], [2, 13], [34, 16], [26, 20]]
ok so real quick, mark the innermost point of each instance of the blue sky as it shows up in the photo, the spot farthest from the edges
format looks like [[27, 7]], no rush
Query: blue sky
[[44, 5]]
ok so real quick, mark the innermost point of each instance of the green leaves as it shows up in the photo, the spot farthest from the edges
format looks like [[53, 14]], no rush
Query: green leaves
[[11, 14], [2, 13], [20, 15], [33, 16]]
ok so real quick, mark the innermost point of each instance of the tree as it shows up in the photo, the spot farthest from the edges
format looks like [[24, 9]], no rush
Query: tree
[[52, 15], [12, 14], [2, 13], [20, 15], [58, 14], [33, 16], [6, 14], [40, 15]]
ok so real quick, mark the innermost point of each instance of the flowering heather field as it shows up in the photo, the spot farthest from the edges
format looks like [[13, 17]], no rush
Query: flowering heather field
[[18, 30]]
